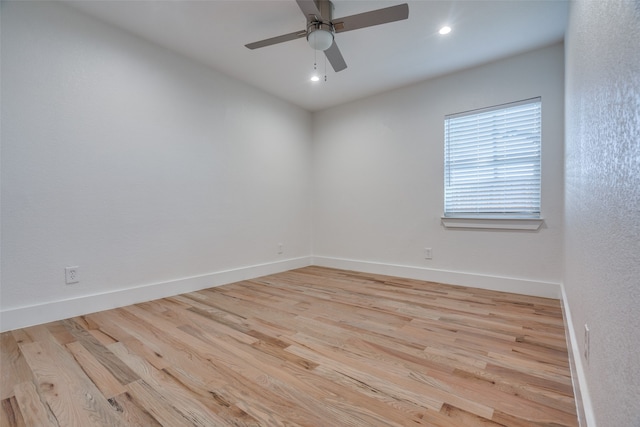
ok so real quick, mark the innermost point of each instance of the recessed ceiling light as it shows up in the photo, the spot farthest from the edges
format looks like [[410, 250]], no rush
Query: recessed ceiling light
[[315, 78], [445, 30]]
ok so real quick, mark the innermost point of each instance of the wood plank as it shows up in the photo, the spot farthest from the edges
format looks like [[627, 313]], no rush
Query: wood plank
[[14, 368], [131, 413], [101, 353], [114, 325], [250, 370], [34, 411], [11, 414], [201, 375], [101, 376], [200, 411], [73, 399], [155, 404]]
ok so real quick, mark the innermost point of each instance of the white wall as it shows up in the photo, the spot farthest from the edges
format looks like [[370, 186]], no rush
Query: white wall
[[151, 173], [378, 181], [602, 235]]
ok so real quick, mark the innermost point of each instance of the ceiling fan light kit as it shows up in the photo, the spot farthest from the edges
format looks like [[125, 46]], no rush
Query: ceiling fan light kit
[[321, 27], [320, 35]]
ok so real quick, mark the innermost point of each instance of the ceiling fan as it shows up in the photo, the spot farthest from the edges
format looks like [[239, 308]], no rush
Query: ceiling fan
[[321, 27]]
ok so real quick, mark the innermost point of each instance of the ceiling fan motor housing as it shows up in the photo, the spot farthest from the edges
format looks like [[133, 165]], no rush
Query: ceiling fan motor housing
[[325, 7]]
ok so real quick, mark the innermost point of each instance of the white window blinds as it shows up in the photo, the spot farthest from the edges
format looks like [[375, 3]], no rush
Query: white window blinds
[[492, 161]]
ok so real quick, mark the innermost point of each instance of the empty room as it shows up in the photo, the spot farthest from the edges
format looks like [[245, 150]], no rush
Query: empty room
[[320, 213]]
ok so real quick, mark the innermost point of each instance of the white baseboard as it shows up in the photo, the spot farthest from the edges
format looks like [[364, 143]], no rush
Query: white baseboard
[[63, 309], [586, 417], [48, 312], [494, 283]]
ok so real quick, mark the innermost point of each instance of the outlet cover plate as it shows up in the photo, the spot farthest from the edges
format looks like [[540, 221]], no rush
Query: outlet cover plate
[[71, 275]]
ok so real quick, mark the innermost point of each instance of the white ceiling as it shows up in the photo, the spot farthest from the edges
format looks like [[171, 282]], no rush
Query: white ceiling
[[379, 58]]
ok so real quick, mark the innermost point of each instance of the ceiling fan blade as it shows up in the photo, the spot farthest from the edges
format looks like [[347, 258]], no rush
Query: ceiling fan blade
[[374, 17], [309, 8], [335, 58], [278, 39]]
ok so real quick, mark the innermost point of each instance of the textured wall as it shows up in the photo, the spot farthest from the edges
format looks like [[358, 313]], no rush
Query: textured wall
[[136, 164], [602, 239], [379, 175]]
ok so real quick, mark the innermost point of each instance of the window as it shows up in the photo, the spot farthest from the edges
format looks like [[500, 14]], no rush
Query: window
[[492, 162]]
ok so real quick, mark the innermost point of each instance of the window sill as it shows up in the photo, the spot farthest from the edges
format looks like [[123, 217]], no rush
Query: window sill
[[526, 224]]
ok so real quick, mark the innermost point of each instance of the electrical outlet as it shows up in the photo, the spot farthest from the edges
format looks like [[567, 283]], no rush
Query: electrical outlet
[[71, 275], [428, 253], [280, 248], [587, 343]]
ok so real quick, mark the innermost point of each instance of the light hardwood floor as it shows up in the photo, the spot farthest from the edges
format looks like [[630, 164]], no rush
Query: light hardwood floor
[[309, 347]]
